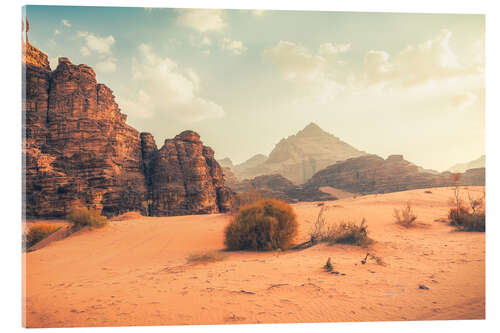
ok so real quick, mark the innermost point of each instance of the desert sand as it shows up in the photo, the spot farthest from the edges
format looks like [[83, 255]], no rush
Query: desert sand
[[135, 271]]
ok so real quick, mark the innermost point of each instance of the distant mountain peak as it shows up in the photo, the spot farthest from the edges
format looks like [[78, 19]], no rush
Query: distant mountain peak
[[311, 130], [462, 167]]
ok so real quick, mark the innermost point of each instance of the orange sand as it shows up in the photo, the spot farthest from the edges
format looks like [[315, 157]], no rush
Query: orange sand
[[135, 272]]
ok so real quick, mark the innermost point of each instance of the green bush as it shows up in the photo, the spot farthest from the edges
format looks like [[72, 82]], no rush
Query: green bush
[[348, 233], [83, 217], [38, 232], [267, 224]]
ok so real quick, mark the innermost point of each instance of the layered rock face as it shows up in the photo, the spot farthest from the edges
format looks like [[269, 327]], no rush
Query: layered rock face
[[373, 174], [300, 156], [186, 179], [78, 151]]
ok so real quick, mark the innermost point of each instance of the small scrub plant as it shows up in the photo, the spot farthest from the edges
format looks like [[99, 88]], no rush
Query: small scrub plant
[[405, 216], [319, 227], [467, 217], [203, 257], [349, 233], [267, 224], [83, 217], [38, 232], [328, 266], [342, 233], [377, 259]]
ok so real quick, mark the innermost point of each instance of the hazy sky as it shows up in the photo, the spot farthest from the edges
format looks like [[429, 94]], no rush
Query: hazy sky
[[410, 84]]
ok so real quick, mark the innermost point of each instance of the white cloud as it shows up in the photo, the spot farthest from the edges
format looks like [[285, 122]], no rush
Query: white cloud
[[201, 42], [164, 87], [95, 43], [462, 101], [418, 64], [236, 47], [293, 59], [377, 66], [66, 23], [330, 49], [202, 20], [313, 74], [106, 66]]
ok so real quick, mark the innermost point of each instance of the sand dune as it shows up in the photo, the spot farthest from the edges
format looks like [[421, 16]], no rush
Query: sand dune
[[135, 272]]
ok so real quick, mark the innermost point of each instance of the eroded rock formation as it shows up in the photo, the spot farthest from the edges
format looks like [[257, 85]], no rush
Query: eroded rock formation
[[373, 174], [79, 151], [186, 179]]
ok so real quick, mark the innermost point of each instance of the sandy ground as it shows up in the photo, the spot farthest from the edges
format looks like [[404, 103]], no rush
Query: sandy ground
[[135, 272]]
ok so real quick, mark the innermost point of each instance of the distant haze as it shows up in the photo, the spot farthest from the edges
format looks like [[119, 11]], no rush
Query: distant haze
[[410, 84]]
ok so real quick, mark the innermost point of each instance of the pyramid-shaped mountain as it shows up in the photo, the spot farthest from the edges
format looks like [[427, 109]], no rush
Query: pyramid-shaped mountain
[[300, 156]]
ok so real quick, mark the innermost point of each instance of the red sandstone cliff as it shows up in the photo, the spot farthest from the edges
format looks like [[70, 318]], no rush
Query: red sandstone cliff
[[79, 151]]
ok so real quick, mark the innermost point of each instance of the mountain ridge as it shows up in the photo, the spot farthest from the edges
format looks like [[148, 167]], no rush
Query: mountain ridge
[[462, 167], [300, 155]]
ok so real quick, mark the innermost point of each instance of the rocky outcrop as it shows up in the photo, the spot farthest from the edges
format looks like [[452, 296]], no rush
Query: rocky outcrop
[[278, 187], [186, 179], [79, 151], [300, 156], [373, 174]]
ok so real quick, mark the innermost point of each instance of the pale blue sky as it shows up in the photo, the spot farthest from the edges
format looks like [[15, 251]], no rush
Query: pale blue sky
[[410, 84]]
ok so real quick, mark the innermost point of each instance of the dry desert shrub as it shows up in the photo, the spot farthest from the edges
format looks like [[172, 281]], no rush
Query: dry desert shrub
[[319, 227], [342, 233], [82, 217], [38, 232], [405, 216], [209, 256], [469, 216], [267, 224], [348, 233]]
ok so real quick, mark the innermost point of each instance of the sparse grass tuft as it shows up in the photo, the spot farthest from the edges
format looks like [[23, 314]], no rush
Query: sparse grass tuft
[[209, 256], [405, 216], [267, 224], [342, 233], [38, 232], [82, 217], [348, 233]]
